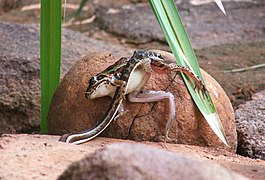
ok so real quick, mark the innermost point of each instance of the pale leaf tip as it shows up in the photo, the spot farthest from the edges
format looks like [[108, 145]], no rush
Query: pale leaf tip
[[216, 125], [220, 5]]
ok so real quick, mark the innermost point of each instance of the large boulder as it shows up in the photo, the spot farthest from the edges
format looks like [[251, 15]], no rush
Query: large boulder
[[135, 161], [70, 111], [250, 125], [20, 71]]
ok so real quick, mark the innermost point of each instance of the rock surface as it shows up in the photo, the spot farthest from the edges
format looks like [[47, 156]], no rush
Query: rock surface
[[19, 72], [25, 156], [244, 22], [144, 121], [250, 124], [7, 5], [135, 161]]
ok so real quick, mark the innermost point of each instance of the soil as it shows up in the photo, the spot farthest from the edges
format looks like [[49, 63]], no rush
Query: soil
[[26, 156], [239, 86]]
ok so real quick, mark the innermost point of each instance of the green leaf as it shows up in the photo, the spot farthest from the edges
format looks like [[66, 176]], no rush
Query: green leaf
[[170, 23], [50, 54]]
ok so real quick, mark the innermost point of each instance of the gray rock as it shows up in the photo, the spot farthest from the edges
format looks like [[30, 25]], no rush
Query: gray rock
[[19, 71], [250, 122], [205, 24], [135, 161], [7, 5], [259, 95]]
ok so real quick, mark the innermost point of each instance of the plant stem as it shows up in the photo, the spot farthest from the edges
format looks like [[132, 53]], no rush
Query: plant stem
[[50, 54], [245, 69]]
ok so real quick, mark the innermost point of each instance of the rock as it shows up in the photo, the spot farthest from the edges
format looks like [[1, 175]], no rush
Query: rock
[[19, 76], [70, 111], [19, 72], [8, 5], [259, 95], [205, 23], [250, 126], [135, 161]]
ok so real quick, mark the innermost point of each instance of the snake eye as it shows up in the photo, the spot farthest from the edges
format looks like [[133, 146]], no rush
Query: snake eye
[[101, 76], [93, 80], [91, 83]]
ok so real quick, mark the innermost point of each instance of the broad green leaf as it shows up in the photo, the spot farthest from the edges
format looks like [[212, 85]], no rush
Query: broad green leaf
[[170, 22], [50, 54]]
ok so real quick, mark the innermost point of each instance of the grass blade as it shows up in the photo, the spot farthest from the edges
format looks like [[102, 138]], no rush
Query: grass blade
[[81, 5], [170, 22], [50, 54]]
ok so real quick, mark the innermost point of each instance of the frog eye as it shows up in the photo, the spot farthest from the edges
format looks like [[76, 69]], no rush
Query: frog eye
[[160, 56]]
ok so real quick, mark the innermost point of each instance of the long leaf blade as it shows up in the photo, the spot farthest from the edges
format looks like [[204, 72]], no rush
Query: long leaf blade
[[50, 54], [170, 22], [220, 5]]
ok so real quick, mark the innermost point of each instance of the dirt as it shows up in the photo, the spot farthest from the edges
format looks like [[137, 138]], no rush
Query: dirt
[[239, 86], [43, 157]]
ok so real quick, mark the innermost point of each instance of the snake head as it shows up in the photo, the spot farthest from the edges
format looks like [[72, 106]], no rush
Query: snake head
[[99, 86]]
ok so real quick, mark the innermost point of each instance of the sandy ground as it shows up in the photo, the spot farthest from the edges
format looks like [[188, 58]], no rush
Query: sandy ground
[[24, 156]]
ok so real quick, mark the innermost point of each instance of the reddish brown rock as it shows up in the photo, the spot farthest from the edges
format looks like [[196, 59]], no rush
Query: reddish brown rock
[[71, 112]]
